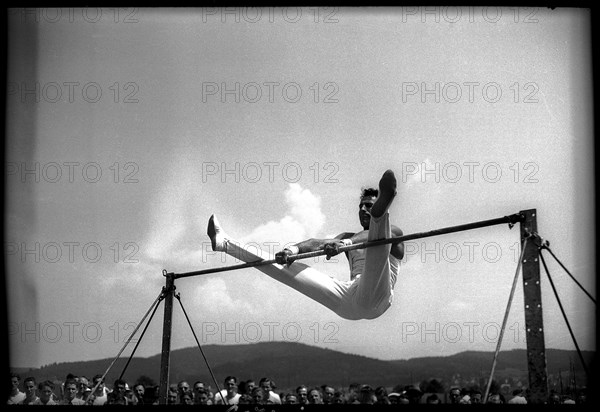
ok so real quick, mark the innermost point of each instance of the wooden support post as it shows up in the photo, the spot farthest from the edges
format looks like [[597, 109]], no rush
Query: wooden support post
[[168, 291], [534, 323]]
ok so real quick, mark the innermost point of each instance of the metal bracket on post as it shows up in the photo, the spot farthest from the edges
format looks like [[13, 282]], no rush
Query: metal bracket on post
[[534, 323], [168, 292]]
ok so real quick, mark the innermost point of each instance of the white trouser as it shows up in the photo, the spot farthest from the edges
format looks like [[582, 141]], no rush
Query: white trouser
[[366, 297]]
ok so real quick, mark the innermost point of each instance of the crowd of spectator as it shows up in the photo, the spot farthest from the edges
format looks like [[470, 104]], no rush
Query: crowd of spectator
[[78, 390]]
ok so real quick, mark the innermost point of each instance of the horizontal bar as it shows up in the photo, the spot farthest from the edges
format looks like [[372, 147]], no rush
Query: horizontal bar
[[511, 220], [224, 269]]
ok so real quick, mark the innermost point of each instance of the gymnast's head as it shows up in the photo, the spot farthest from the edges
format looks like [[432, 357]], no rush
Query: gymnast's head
[[368, 196]]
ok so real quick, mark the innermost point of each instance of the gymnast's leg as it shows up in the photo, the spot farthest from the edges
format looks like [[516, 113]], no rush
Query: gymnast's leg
[[374, 291], [318, 286]]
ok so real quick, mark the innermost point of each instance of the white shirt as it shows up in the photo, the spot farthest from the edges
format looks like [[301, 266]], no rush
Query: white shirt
[[39, 402], [219, 401], [102, 399], [15, 399], [274, 398]]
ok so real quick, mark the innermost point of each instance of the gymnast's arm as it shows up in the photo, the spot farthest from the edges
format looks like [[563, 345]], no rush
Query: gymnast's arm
[[309, 245], [397, 249], [312, 245]]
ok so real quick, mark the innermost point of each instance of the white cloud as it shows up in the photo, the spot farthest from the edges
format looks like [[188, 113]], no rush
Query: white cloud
[[303, 220], [306, 208], [217, 298], [171, 243]]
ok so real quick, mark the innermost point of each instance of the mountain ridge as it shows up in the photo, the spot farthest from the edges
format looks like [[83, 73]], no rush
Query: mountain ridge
[[290, 364]]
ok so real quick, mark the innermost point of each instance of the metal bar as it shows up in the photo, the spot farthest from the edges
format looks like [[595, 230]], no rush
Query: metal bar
[[155, 304], [569, 273], [156, 301], [506, 313], [169, 291], [212, 375], [534, 322], [224, 269], [562, 310], [511, 220]]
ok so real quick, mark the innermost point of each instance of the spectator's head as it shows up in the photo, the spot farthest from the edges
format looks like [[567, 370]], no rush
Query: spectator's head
[[241, 389], [290, 399], [186, 399], [116, 398], [46, 389], [259, 396], [15, 381], [30, 387], [131, 398], [139, 391], [83, 385], [314, 396], [70, 389], [494, 398], [198, 387], [352, 395], [120, 386], [183, 387], [250, 385], [394, 397], [366, 395], [172, 397], [267, 384], [403, 399], [98, 382], [201, 397], [414, 394], [231, 385], [476, 396], [328, 393], [433, 399], [382, 396], [245, 399], [302, 392], [339, 398], [455, 394]]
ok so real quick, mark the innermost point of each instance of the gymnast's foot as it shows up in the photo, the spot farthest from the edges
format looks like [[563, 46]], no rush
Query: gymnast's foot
[[217, 236], [387, 192]]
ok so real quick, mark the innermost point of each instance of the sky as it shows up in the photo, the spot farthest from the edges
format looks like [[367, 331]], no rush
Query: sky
[[128, 128]]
